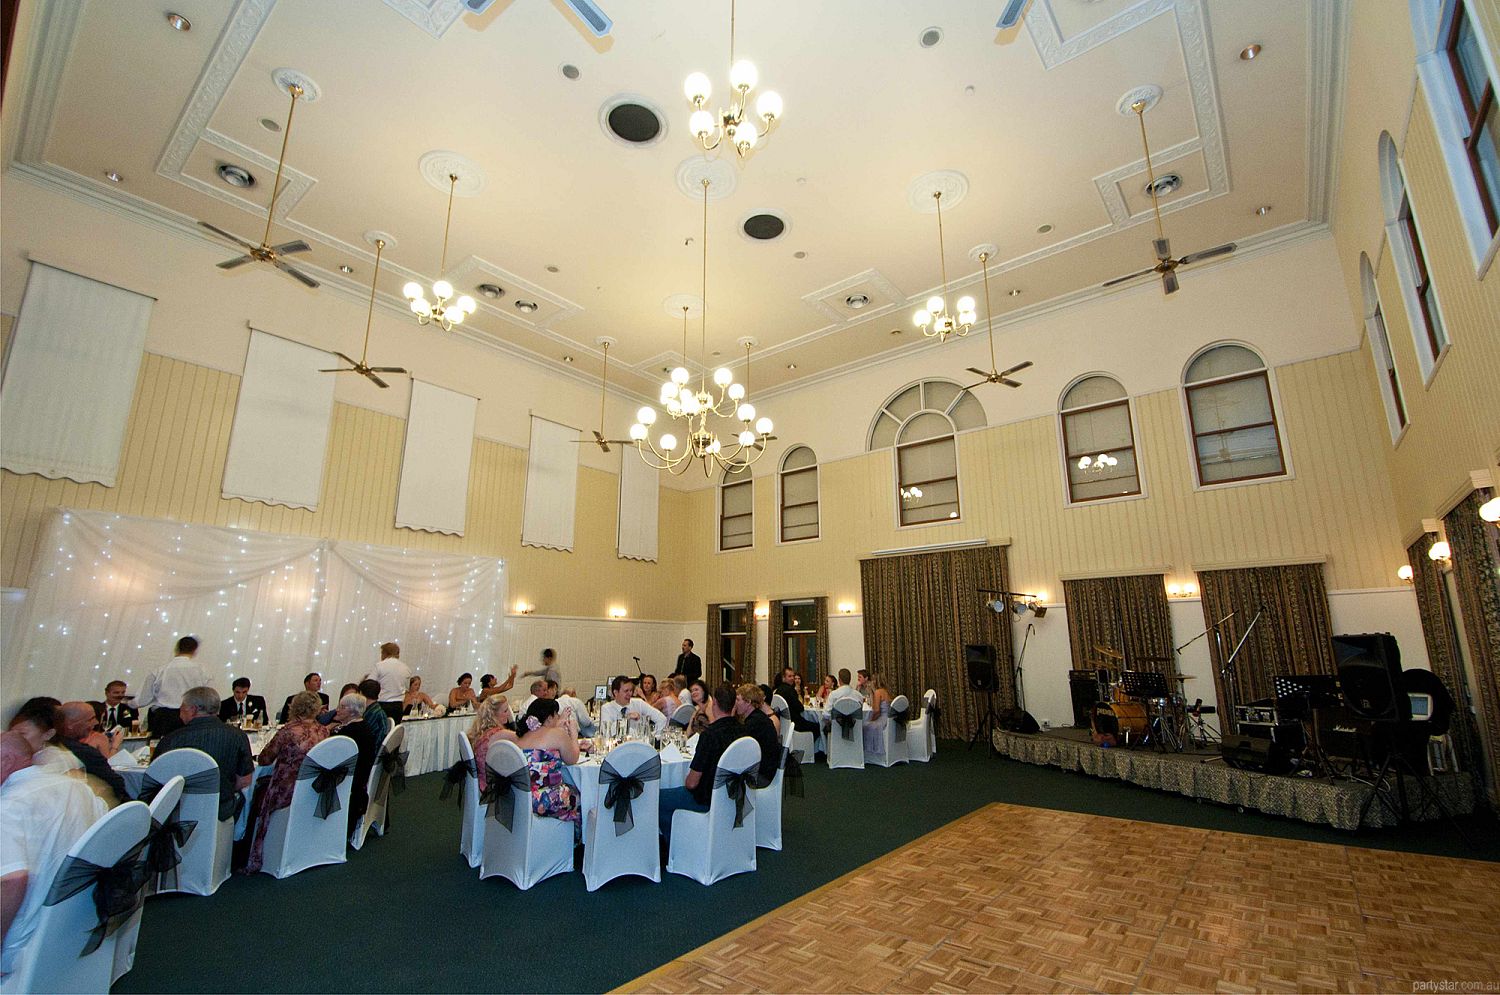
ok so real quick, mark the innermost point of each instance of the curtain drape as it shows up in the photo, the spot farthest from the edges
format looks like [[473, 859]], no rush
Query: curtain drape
[[821, 607], [1476, 578], [1292, 636], [1443, 652], [433, 495], [921, 610], [551, 485], [1103, 609], [775, 643], [747, 672], [636, 526], [713, 649]]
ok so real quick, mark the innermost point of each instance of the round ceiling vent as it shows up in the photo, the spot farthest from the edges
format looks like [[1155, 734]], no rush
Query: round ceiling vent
[[526, 307], [1164, 185], [857, 302], [763, 226], [930, 37], [632, 120], [235, 176], [490, 290]]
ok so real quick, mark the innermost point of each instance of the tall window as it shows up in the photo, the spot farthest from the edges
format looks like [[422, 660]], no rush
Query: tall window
[[1231, 417], [799, 495], [1431, 323], [734, 622], [927, 469], [1476, 94], [957, 404], [1098, 443], [1380, 350], [799, 633], [1412, 272], [737, 511]]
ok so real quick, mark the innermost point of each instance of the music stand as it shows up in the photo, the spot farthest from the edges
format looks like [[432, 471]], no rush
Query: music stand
[[1145, 684]]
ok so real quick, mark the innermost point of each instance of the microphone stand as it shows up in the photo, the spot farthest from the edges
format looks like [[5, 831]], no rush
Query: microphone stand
[[1227, 671], [1219, 643], [1020, 673]]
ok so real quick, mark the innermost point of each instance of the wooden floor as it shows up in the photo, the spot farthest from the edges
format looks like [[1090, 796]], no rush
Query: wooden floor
[[1011, 898]]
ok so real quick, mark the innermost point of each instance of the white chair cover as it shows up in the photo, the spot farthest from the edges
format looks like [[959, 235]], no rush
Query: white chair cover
[[51, 961], [206, 855], [534, 847], [783, 712], [471, 843], [706, 846], [768, 809], [608, 853], [894, 738], [163, 807], [379, 790], [921, 734], [683, 716], [297, 839], [849, 753]]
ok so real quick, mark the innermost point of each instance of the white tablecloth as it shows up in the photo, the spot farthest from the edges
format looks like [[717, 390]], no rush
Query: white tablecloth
[[432, 744]]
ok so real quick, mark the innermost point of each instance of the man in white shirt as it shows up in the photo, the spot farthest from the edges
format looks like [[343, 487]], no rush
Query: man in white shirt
[[624, 702], [841, 693], [165, 688], [539, 689], [394, 676], [570, 703], [42, 814]]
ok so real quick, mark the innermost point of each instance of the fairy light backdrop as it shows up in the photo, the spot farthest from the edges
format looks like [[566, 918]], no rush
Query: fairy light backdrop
[[110, 595]]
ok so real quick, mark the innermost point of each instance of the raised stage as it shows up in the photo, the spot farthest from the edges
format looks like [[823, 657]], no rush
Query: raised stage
[[1331, 801]]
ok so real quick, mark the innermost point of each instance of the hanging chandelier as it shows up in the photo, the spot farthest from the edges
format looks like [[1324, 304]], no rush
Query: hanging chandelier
[[438, 311], [1097, 464], [691, 410], [712, 128], [935, 320]]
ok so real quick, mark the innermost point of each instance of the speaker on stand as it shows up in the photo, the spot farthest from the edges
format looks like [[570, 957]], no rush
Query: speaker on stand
[[979, 666]]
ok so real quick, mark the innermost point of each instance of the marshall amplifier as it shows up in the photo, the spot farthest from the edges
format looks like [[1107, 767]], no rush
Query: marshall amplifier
[[1339, 733]]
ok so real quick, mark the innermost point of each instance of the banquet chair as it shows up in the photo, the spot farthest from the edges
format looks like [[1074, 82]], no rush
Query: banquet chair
[[683, 716], [163, 810], [707, 846], [610, 848], [534, 847], [768, 807], [206, 854], [921, 733], [471, 843], [53, 959], [297, 837], [376, 812], [846, 750], [894, 736], [804, 743]]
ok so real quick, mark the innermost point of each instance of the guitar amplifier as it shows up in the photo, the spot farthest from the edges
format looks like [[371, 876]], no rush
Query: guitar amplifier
[[1340, 734], [1084, 687]]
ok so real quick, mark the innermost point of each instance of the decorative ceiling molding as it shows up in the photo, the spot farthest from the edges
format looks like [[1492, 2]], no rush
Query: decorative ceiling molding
[[474, 270], [1327, 45], [1108, 185], [1054, 49], [53, 33], [295, 183], [818, 299], [433, 16]]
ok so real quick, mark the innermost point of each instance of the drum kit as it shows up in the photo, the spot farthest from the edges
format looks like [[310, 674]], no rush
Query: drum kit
[[1138, 708]]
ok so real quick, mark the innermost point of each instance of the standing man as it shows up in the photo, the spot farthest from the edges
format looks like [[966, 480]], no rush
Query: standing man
[[688, 663], [116, 711], [625, 703], [230, 748], [548, 670], [164, 689], [393, 676], [243, 705]]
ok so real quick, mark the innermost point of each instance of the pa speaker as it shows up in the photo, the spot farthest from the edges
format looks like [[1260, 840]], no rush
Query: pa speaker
[[979, 664], [1252, 753], [1369, 667]]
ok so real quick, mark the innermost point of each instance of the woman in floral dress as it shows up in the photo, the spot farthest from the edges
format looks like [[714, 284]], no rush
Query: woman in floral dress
[[550, 741], [286, 750]]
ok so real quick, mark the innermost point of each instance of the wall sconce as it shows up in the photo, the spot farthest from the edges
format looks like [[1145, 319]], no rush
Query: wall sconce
[[1440, 551], [1181, 590], [1404, 572], [524, 608], [1490, 511], [846, 608], [617, 612], [762, 611]]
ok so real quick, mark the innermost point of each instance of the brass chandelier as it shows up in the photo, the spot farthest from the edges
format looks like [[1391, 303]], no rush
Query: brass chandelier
[[711, 129], [935, 320], [438, 311]]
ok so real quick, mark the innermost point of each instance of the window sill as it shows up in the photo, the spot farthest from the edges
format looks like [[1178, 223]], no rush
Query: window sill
[[928, 525], [1400, 436], [1437, 364], [798, 542], [1095, 502], [1225, 485], [737, 549]]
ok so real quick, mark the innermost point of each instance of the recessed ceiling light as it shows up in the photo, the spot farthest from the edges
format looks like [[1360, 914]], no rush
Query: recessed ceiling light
[[178, 23], [112, 176], [490, 290], [270, 124], [930, 37], [969, 90], [345, 268], [799, 254], [857, 301], [567, 359], [235, 176], [1263, 210], [551, 269], [1250, 51], [791, 366], [570, 71], [1043, 229], [1013, 292], [1164, 185], [526, 307]]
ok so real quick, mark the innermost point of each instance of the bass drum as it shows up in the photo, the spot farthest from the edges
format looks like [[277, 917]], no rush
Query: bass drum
[[1118, 722]]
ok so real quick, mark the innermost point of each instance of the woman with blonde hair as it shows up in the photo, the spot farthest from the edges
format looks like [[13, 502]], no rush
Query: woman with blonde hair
[[286, 751], [493, 722]]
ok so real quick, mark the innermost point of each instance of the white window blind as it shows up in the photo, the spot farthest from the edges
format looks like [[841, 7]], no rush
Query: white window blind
[[551, 485], [434, 491], [635, 538]]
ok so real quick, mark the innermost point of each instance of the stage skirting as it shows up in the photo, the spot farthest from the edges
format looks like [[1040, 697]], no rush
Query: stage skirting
[[1311, 799]]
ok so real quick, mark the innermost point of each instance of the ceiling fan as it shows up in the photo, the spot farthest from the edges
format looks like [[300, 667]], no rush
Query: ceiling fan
[[363, 368], [993, 374], [265, 252], [596, 20], [1011, 15], [1165, 264], [599, 439]]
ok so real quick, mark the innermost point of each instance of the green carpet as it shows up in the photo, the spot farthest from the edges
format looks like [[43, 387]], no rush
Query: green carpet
[[408, 914]]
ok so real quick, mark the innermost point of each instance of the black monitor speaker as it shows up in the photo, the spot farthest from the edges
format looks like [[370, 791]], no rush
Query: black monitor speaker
[[1369, 666], [979, 664]]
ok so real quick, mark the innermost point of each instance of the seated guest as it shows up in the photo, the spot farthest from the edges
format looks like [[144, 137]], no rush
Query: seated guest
[[787, 687], [645, 689], [797, 686], [116, 711], [350, 719], [493, 721], [550, 741], [415, 699], [202, 729], [243, 705], [312, 684], [463, 695], [32, 727], [286, 750], [76, 721], [668, 689], [489, 687], [698, 697], [880, 716], [42, 814], [569, 702], [826, 688], [750, 708], [538, 689], [376, 717], [843, 690], [862, 685], [623, 703], [698, 788], [325, 717], [684, 692], [105, 742]]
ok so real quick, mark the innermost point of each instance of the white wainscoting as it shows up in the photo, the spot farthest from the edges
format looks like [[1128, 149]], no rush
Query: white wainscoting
[[591, 651]]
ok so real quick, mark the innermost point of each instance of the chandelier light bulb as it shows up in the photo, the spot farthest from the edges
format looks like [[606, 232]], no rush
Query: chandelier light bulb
[[763, 426], [1084, 463], [442, 290], [454, 315], [922, 318], [747, 438], [746, 413], [697, 88], [712, 447], [745, 135], [467, 305], [637, 432], [691, 405], [680, 376], [736, 391], [646, 415], [722, 377], [1440, 550], [768, 106], [1490, 510], [701, 124], [674, 407], [935, 305], [421, 307], [412, 291], [966, 304], [742, 75], [669, 442]]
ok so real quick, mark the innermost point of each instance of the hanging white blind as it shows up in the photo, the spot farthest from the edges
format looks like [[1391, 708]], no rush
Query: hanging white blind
[[281, 424], [434, 492], [551, 485], [635, 537], [71, 377]]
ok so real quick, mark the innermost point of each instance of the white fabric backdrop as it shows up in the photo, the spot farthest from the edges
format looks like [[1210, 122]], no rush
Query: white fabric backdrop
[[551, 485], [110, 595], [635, 537], [281, 424], [434, 492], [70, 379]]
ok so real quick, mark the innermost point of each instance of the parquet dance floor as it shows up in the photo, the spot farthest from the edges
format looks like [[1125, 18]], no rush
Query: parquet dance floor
[[1011, 898]]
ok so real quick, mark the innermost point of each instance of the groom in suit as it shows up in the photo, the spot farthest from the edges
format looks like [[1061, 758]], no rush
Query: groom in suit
[[688, 663], [242, 704]]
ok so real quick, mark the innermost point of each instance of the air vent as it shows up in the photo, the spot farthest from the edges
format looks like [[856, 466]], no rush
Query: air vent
[[764, 227], [634, 123], [492, 291], [1164, 185], [857, 302], [235, 176]]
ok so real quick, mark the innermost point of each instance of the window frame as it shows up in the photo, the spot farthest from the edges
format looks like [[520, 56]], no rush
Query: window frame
[[896, 449], [744, 479], [781, 506], [1474, 109], [1402, 222], [1392, 395], [1065, 445], [1191, 428]]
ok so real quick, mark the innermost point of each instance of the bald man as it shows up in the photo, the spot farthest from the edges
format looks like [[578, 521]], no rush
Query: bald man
[[76, 722]]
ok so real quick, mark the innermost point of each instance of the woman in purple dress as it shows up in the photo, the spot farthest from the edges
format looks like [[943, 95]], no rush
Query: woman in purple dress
[[286, 750]]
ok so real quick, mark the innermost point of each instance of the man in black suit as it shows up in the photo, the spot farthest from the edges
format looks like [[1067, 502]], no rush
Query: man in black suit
[[688, 663], [312, 683], [76, 722], [242, 704], [116, 711], [793, 701]]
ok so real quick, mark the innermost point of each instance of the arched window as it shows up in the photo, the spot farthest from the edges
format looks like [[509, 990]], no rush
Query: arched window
[[1098, 442], [1231, 417], [955, 403], [799, 495], [1404, 236], [927, 469], [737, 510], [1380, 348]]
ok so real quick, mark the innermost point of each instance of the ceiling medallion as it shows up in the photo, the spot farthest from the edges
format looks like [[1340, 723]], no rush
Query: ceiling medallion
[[438, 311], [935, 320], [710, 128]]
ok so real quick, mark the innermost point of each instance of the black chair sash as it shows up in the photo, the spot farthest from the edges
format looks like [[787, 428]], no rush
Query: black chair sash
[[500, 793], [791, 765], [205, 782], [739, 784], [454, 777], [899, 719], [846, 720], [623, 788], [163, 847], [117, 891], [326, 781], [392, 771], [680, 723]]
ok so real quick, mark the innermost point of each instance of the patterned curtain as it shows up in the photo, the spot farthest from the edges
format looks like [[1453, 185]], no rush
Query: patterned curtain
[[1443, 653], [1476, 577], [747, 672], [713, 650], [1101, 609], [820, 605], [775, 643], [920, 612], [1292, 636]]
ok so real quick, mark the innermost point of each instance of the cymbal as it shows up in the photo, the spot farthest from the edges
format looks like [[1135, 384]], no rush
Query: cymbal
[[1184, 677], [1106, 651]]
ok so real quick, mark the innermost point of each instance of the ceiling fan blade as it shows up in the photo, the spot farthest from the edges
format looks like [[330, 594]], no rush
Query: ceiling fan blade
[[228, 236], [345, 358], [288, 248], [1218, 250], [978, 372], [232, 263], [1016, 369], [376, 380], [973, 385], [297, 275], [1169, 282], [387, 369], [340, 370], [1163, 248], [1124, 279], [1010, 383]]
